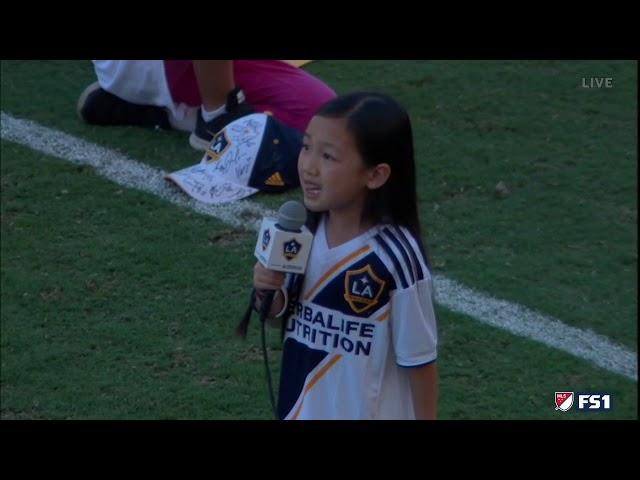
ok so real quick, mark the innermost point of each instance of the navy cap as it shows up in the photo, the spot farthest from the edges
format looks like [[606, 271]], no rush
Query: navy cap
[[254, 153]]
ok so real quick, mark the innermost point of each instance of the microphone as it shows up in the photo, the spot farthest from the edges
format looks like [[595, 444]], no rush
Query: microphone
[[284, 243]]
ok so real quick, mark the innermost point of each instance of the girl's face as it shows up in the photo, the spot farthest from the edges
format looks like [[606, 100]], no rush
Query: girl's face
[[332, 173]]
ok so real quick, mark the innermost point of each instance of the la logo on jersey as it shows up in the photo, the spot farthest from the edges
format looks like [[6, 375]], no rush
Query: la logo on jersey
[[564, 400], [291, 249], [266, 236], [362, 288], [218, 146]]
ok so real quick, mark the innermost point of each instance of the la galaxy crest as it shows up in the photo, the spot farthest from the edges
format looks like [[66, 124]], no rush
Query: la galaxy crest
[[291, 249], [266, 237], [362, 289], [219, 144]]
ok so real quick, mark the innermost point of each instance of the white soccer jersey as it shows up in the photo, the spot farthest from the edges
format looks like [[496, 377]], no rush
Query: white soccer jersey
[[364, 314]]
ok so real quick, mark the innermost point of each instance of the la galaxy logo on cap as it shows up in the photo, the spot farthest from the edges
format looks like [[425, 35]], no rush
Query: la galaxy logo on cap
[[266, 236], [219, 144], [291, 249], [362, 288]]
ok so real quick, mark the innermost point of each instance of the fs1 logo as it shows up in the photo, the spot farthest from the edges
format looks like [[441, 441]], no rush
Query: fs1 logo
[[589, 402], [594, 402]]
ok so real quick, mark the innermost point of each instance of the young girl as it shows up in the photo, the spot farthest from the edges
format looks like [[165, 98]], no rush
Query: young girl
[[360, 329]]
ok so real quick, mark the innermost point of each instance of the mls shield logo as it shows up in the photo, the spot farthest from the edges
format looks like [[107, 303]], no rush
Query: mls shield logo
[[266, 237], [362, 289], [291, 249], [219, 144], [564, 400]]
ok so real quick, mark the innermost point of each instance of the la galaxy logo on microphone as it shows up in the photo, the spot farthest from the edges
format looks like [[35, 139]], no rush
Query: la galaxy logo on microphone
[[291, 248], [266, 236], [219, 144], [362, 288]]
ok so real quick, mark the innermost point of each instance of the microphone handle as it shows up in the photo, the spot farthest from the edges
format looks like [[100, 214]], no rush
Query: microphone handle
[[267, 302]]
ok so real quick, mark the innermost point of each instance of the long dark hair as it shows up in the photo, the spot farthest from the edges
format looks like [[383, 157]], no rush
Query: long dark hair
[[382, 132]]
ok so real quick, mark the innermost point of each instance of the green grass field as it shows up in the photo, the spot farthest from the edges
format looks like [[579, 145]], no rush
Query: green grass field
[[119, 305]]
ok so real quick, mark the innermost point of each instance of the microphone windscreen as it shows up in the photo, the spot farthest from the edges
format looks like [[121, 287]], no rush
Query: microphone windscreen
[[292, 215]]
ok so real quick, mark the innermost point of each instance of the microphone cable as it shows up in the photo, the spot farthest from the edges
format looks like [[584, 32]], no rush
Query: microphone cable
[[267, 301], [241, 330]]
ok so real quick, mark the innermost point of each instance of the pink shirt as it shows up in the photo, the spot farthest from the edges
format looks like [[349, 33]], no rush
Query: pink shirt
[[290, 94]]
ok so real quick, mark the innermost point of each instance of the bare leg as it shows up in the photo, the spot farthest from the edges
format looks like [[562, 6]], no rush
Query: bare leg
[[215, 80]]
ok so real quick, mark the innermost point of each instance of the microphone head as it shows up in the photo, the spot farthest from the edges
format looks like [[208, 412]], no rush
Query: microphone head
[[292, 215]]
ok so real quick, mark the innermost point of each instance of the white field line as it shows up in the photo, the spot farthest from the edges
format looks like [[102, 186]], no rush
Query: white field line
[[512, 317]]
